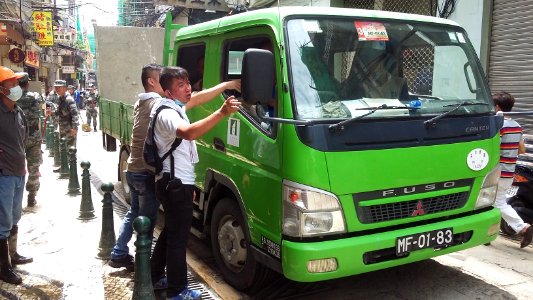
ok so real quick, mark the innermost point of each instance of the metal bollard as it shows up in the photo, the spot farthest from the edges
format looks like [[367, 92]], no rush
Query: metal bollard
[[57, 153], [86, 205], [73, 183], [50, 138], [46, 135], [64, 160], [107, 236], [142, 288]]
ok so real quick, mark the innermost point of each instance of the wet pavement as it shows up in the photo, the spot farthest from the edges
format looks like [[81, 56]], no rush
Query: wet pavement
[[64, 248]]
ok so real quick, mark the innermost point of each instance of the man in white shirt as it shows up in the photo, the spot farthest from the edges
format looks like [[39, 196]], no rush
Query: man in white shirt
[[175, 185]]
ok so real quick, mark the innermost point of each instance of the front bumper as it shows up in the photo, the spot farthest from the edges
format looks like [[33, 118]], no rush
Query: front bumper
[[372, 252]]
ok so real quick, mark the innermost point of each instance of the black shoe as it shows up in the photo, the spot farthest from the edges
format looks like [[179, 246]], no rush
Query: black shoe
[[57, 170], [17, 259], [124, 262], [527, 237], [95, 129], [10, 276]]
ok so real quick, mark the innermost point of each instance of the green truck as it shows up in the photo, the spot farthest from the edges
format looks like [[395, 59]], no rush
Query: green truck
[[366, 140]]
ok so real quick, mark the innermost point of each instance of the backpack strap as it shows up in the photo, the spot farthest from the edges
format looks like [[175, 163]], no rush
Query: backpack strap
[[175, 143]]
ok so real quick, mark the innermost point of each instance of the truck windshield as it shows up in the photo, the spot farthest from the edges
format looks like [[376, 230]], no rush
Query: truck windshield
[[341, 66]]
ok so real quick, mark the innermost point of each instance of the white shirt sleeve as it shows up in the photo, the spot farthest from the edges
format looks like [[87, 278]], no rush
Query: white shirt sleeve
[[168, 121]]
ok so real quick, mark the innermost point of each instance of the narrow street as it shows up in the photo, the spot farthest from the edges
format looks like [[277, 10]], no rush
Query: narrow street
[[65, 248]]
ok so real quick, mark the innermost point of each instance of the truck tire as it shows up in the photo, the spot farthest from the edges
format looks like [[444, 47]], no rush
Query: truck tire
[[230, 247], [122, 166]]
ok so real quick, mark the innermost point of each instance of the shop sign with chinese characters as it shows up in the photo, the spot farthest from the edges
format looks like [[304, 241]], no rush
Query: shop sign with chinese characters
[[42, 25], [68, 69], [32, 58], [16, 55]]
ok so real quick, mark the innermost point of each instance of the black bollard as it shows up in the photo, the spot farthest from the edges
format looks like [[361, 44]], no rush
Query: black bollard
[[45, 134], [107, 236], [63, 171], [86, 205], [142, 288], [50, 137], [73, 183], [57, 152]]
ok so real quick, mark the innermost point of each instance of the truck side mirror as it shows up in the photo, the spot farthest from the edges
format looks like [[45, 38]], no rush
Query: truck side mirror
[[257, 78]]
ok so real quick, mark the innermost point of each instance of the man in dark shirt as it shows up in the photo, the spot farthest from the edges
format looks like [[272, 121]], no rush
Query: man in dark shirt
[[13, 134]]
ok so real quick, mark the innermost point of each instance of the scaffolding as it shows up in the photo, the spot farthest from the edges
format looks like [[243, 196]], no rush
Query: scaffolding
[[140, 13]]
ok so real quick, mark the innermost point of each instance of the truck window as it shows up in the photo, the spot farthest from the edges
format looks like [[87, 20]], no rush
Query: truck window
[[340, 67], [191, 57], [234, 52]]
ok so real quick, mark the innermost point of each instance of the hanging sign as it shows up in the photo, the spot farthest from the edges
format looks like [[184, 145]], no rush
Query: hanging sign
[[42, 25], [16, 55]]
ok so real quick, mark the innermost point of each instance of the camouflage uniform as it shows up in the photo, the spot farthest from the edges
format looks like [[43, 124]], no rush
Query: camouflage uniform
[[52, 101], [91, 112], [31, 104], [68, 117]]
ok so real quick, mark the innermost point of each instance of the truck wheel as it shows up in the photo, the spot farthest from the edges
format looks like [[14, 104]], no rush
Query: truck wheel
[[230, 246], [122, 167]]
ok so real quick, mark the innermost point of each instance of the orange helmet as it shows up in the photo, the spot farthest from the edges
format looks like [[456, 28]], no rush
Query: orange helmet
[[7, 73]]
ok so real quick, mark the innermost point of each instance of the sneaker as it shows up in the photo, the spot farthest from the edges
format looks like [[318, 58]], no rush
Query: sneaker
[[161, 284], [123, 262], [187, 294]]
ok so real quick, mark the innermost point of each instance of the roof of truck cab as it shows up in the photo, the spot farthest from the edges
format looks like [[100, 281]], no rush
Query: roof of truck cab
[[270, 15]]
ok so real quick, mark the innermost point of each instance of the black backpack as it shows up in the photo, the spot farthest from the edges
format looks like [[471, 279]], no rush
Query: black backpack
[[153, 162]]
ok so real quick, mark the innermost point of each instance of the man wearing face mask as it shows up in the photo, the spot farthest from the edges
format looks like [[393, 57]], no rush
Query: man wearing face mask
[[13, 134], [175, 184]]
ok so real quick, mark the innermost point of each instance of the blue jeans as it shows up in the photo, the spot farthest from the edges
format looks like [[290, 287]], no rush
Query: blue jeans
[[143, 203], [11, 191]]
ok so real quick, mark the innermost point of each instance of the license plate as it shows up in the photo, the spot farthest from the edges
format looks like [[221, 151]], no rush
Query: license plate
[[430, 239]]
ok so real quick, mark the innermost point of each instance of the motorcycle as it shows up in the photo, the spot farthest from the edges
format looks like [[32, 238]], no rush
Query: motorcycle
[[520, 195]]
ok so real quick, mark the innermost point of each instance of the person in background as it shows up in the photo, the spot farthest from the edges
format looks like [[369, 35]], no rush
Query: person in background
[[70, 90], [91, 112], [197, 86], [140, 180], [31, 104], [13, 134], [67, 113], [511, 145], [77, 98], [52, 101], [175, 184]]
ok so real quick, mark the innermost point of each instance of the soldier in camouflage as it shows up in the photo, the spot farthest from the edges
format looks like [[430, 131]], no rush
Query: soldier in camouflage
[[67, 114], [51, 103], [31, 104], [91, 112]]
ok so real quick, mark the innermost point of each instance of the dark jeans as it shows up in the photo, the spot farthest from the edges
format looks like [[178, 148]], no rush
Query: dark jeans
[[171, 245], [143, 203]]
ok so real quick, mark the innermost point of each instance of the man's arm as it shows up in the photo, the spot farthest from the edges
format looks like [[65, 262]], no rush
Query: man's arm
[[197, 129], [207, 95], [521, 147]]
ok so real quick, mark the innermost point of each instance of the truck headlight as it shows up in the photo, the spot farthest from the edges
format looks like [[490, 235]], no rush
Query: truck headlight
[[487, 194], [308, 211]]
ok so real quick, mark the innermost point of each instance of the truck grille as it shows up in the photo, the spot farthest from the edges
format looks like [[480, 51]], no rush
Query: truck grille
[[400, 210]]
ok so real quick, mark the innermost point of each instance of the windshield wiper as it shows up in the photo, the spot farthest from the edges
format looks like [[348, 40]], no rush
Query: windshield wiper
[[340, 126], [433, 121]]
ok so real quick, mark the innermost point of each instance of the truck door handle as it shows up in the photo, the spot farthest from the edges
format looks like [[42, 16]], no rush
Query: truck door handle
[[219, 144]]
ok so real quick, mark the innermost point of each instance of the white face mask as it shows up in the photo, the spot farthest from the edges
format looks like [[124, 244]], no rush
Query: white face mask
[[14, 93]]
